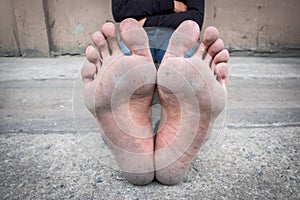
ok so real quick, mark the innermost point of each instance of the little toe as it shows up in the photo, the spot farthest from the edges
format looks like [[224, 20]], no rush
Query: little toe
[[221, 71], [88, 72], [183, 39], [93, 56], [135, 37], [220, 66]]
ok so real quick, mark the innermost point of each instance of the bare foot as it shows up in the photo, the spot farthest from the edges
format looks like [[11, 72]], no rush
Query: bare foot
[[192, 92], [118, 92]]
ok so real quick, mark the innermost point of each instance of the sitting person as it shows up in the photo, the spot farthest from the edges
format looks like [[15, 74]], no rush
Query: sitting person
[[163, 15], [119, 90]]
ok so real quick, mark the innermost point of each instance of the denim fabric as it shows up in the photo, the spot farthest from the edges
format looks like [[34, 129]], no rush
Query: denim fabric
[[158, 41]]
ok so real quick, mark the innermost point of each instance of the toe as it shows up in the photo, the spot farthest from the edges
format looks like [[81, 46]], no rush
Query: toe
[[222, 56], [211, 34], [135, 37], [100, 41], [221, 71], [93, 56], [92, 65], [184, 38], [110, 33], [88, 72], [215, 47]]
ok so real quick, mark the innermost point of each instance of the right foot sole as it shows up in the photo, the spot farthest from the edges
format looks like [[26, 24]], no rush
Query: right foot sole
[[191, 98]]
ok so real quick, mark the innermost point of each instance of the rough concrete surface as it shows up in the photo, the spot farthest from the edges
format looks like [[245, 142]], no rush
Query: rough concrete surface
[[50, 147]]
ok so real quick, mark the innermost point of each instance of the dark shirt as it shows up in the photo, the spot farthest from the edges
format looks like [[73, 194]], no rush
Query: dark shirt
[[158, 12]]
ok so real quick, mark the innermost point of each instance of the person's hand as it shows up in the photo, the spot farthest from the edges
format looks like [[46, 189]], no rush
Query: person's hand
[[142, 21], [179, 7]]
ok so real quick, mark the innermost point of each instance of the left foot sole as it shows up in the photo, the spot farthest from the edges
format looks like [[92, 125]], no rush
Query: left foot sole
[[118, 92]]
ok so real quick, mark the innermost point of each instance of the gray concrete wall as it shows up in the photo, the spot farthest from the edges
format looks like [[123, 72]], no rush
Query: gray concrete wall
[[45, 27], [73, 21], [31, 27], [259, 25], [8, 30]]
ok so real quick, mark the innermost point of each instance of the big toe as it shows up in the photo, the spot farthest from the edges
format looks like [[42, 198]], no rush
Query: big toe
[[184, 38]]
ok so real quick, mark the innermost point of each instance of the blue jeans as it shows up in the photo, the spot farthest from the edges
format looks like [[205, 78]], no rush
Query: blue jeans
[[158, 42]]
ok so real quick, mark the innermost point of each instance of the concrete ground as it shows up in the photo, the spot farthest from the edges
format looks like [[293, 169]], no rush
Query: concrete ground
[[50, 146]]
